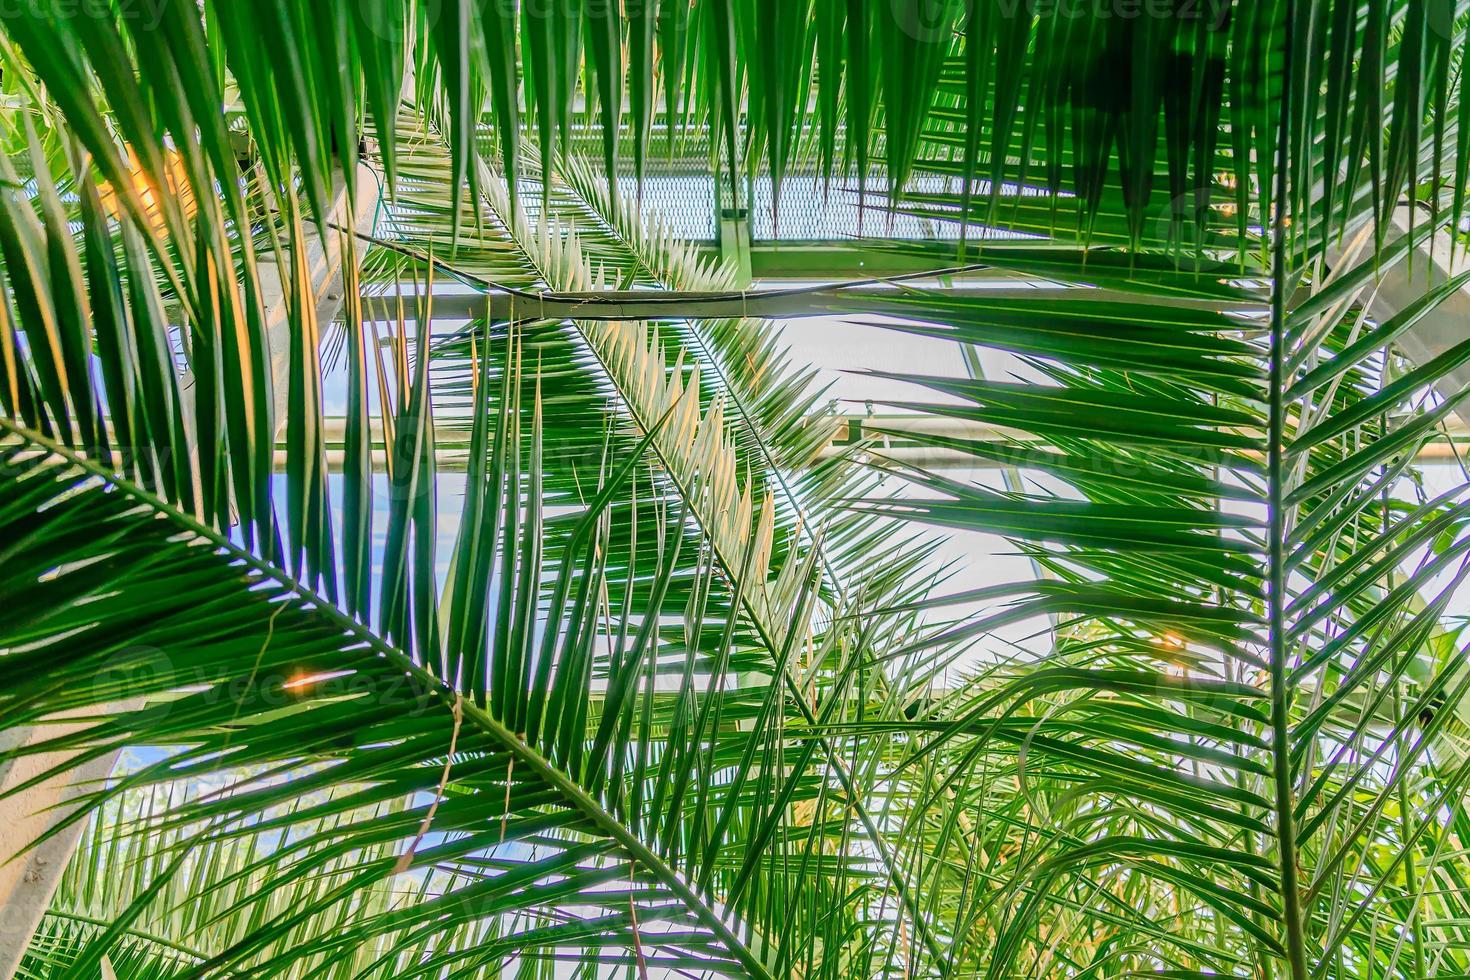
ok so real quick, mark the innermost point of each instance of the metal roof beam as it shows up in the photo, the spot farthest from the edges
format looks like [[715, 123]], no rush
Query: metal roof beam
[[884, 436], [649, 304]]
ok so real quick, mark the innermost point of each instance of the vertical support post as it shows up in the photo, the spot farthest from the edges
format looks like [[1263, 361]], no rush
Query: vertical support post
[[734, 238]]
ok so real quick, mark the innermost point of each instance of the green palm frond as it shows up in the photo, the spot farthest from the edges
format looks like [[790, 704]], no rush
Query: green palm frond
[[1168, 739], [679, 694], [701, 465], [1138, 125], [524, 620], [306, 713], [528, 630]]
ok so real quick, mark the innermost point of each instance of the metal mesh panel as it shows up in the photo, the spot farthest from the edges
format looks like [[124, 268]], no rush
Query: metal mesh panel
[[686, 202], [811, 210], [679, 185], [677, 181]]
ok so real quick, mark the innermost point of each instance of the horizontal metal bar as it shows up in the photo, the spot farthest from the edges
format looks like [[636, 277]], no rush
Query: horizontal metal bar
[[452, 442], [451, 446], [832, 260], [451, 459], [647, 304]]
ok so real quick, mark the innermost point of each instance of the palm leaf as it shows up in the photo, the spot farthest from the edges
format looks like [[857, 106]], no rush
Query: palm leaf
[[1173, 735]]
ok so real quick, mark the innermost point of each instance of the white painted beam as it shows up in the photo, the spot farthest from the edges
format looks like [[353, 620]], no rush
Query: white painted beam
[[324, 264], [1429, 266]]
